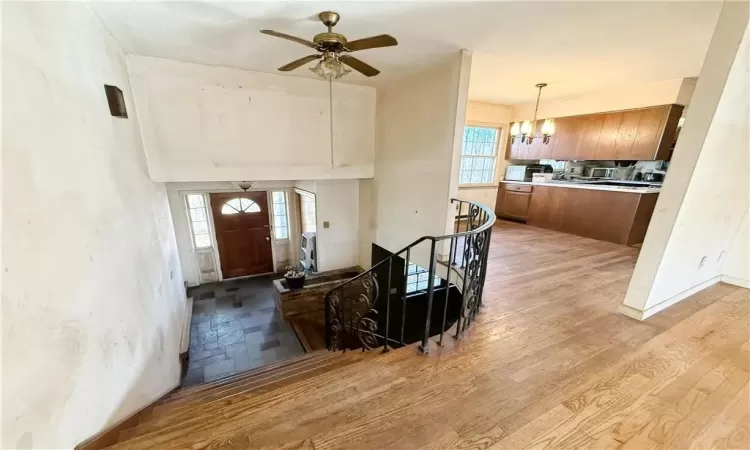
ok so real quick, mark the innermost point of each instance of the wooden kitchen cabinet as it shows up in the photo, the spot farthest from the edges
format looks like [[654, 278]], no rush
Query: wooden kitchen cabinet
[[619, 217], [535, 150], [513, 201], [637, 134]]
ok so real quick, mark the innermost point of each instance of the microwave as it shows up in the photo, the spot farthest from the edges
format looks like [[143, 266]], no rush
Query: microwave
[[525, 173], [600, 172]]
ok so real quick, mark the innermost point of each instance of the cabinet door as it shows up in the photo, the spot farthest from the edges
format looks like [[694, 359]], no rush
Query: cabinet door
[[591, 128], [517, 148], [534, 148], [649, 131], [626, 134], [547, 207], [608, 136], [546, 149], [515, 204], [499, 201], [566, 138]]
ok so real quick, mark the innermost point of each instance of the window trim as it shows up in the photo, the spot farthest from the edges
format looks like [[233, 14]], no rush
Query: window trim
[[286, 213], [495, 154]]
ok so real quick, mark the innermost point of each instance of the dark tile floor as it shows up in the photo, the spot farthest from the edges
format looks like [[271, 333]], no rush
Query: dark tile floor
[[236, 327]]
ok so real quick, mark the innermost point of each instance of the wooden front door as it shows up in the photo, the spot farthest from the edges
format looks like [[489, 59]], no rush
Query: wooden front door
[[243, 233]]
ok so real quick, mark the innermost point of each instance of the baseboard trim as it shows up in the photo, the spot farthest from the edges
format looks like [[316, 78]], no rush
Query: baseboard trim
[[648, 312], [633, 313], [736, 281], [111, 435]]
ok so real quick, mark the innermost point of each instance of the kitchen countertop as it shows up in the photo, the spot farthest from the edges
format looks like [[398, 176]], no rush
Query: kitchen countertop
[[637, 187]]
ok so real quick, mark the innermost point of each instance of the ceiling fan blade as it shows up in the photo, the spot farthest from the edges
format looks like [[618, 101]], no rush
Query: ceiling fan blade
[[359, 66], [300, 62], [290, 38], [383, 40]]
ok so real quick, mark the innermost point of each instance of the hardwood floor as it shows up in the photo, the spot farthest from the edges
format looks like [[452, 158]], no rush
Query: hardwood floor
[[550, 364]]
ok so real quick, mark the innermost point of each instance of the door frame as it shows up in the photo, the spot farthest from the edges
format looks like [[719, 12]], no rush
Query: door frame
[[271, 231], [212, 228]]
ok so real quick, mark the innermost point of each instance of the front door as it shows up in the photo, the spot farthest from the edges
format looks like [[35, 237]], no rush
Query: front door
[[243, 233]]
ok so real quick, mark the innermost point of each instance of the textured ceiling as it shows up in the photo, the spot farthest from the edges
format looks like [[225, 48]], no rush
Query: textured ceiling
[[574, 46]]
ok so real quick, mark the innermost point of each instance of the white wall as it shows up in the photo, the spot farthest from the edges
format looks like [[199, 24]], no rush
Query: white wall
[[337, 202], [367, 225], [631, 96], [283, 251], [496, 116], [705, 197], [736, 263], [208, 123], [93, 298], [416, 143]]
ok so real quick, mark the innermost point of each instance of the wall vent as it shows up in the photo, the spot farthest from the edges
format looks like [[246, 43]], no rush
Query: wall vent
[[116, 101]]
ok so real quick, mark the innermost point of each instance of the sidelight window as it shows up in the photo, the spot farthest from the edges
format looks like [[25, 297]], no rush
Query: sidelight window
[[196, 204], [280, 216], [478, 154]]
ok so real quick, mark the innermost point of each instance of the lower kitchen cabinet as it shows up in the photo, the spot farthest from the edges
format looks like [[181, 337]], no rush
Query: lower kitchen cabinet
[[513, 201], [619, 217]]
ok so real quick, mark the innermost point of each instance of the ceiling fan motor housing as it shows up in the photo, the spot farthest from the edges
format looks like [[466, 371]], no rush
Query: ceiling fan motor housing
[[331, 41]]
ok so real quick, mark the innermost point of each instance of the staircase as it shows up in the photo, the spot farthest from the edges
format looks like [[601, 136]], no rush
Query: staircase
[[374, 308], [254, 408], [222, 400]]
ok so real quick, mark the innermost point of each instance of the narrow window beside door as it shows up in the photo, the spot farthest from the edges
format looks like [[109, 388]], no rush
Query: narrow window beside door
[[196, 204], [280, 217], [307, 209]]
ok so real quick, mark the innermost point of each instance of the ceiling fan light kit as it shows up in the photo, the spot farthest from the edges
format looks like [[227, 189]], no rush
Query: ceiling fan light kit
[[330, 47]]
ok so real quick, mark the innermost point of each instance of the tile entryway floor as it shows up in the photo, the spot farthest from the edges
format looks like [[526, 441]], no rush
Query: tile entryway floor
[[236, 327]]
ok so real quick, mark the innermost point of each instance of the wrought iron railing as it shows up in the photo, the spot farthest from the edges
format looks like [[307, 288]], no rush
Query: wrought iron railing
[[358, 314]]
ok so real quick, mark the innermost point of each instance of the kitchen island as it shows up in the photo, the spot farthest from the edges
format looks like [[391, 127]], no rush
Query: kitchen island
[[612, 212]]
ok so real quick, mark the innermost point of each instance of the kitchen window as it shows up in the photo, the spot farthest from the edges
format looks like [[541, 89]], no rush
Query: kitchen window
[[478, 154], [280, 215], [196, 204]]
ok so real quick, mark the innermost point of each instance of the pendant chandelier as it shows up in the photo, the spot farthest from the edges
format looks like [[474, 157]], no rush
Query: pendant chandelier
[[525, 130]]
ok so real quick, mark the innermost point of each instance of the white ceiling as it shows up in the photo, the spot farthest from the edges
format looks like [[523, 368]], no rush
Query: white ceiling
[[574, 46]]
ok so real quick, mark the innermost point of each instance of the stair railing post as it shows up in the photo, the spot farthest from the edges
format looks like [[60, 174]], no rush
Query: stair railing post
[[326, 302], [447, 290], [388, 306], [425, 346], [403, 297]]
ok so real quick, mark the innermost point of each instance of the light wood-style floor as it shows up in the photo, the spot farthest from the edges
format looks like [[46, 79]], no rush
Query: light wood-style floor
[[549, 365]]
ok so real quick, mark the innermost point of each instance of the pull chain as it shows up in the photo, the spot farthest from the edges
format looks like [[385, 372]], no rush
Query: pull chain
[[330, 106]]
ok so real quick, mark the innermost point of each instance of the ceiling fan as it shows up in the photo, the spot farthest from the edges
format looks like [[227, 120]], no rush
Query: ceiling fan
[[330, 47]]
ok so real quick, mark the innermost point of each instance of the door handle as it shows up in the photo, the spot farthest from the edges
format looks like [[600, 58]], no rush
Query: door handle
[[268, 238]]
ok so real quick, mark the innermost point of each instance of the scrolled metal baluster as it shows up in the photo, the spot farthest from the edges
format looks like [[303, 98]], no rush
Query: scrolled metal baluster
[[367, 326]]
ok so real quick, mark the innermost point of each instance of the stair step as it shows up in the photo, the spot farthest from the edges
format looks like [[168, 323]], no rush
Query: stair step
[[255, 405], [255, 394], [245, 384], [192, 390]]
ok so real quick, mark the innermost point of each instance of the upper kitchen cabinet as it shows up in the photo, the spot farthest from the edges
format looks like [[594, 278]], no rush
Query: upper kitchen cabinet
[[536, 149], [637, 134]]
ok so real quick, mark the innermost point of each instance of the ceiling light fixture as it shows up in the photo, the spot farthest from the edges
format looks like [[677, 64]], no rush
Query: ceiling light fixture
[[330, 67], [525, 130]]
